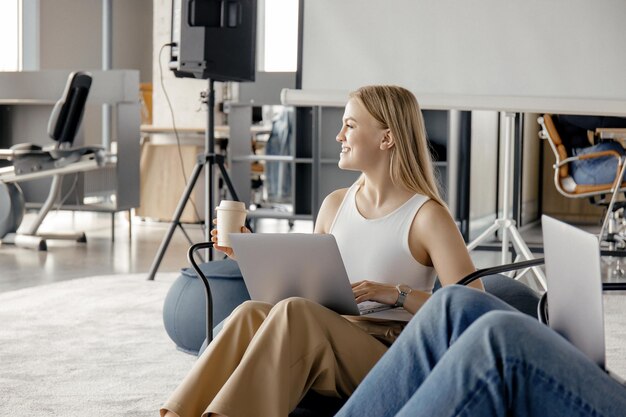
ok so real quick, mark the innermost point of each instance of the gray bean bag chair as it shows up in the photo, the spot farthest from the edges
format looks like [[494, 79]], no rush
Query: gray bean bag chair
[[184, 310]]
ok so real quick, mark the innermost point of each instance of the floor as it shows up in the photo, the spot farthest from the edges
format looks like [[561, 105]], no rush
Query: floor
[[134, 249]]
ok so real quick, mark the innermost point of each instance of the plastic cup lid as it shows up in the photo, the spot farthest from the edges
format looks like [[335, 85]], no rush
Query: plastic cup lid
[[231, 205]]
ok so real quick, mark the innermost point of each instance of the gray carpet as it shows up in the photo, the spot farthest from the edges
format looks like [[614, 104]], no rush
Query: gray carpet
[[87, 347], [96, 346], [615, 332]]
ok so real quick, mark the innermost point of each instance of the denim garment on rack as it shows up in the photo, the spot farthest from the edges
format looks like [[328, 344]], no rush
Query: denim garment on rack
[[278, 174]]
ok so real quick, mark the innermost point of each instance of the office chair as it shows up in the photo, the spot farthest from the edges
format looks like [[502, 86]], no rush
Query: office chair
[[601, 194], [31, 161]]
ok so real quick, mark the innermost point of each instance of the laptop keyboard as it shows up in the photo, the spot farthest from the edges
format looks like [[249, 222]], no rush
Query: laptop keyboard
[[367, 307]]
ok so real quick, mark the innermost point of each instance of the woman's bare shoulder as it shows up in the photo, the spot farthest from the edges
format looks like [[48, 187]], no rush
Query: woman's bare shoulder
[[432, 219], [433, 211], [336, 197], [329, 209]]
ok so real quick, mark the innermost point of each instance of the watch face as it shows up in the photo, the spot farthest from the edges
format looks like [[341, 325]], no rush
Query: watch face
[[405, 288]]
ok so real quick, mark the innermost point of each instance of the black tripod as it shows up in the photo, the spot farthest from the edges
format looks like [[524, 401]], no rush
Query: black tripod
[[208, 159]]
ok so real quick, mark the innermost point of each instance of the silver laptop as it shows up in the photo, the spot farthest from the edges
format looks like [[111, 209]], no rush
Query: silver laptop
[[281, 265], [573, 272]]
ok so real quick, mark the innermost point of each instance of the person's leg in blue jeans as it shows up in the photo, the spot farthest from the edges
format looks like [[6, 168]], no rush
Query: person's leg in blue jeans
[[600, 170], [478, 357], [412, 357]]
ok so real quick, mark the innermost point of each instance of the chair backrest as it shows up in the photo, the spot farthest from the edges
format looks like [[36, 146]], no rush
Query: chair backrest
[[68, 111], [556, 144]]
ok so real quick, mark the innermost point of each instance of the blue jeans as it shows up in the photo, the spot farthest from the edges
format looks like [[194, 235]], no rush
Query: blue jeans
[[467, 353], [596, 170]]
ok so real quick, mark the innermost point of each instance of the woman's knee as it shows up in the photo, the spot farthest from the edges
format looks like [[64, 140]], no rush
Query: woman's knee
[[295, 311], [505, 327], [459, 306], [250, 308], [295, 304], [447, 299], [452, 292]]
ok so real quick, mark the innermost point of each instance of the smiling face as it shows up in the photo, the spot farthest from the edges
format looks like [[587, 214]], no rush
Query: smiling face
[[363, 140]]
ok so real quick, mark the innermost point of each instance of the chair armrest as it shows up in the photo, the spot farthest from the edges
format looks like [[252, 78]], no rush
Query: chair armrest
[[614, 286], [599, 155], [6, 154], [499, 269], [602, 154]]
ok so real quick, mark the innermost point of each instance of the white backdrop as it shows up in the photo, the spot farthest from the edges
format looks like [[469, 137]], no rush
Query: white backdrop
[[525, 49]]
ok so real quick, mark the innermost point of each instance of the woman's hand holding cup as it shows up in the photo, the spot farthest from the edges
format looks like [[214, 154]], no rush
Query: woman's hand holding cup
[[231, 217], [227, 250]]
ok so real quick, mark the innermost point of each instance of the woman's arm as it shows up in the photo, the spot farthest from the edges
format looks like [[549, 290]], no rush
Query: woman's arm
[[329, 210], [435, 240], [434, 232]]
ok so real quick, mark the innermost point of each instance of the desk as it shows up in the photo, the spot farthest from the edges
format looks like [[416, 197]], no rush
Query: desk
[[163, 178], [616, 134]]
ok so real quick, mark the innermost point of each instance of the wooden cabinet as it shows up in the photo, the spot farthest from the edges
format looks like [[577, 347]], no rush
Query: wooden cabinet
[[162, 181]]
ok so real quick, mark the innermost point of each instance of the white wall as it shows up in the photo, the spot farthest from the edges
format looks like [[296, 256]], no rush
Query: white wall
[[71, 35]]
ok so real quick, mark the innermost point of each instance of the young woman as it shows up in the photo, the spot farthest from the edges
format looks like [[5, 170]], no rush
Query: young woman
[[394, 234]]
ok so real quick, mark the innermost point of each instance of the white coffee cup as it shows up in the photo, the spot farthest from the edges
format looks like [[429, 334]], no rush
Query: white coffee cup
[[231, 216]]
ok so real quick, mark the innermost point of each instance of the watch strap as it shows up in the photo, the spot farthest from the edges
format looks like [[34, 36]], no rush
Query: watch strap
[[401, 296]]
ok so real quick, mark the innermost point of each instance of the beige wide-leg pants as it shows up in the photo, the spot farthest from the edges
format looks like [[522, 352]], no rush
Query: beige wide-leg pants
[[267, 357]]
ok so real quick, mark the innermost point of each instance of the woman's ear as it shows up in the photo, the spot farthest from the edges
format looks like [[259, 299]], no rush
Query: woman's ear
[[388, 141]]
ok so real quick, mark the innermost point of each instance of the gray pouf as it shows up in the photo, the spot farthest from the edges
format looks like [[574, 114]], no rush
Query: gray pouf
[[513, 292], [184, 310]]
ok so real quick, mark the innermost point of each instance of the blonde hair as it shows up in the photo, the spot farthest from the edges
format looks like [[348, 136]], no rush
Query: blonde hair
[[396, 108]]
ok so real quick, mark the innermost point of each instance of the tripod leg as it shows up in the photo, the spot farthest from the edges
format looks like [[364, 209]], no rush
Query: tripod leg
[[505, 246], [616, 188], [176, 219], [521, 247], [226, 178], [483, 236]]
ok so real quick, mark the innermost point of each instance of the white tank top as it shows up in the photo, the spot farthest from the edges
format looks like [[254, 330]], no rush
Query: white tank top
[[378, 249]]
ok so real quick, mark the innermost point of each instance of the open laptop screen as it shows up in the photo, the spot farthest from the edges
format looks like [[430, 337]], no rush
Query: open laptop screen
[[574, 286]]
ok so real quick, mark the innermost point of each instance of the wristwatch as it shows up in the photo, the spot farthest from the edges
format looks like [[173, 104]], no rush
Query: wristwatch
[[403, 291]]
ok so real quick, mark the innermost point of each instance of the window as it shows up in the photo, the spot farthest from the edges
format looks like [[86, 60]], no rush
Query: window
[[281, 35], [9, 35]]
